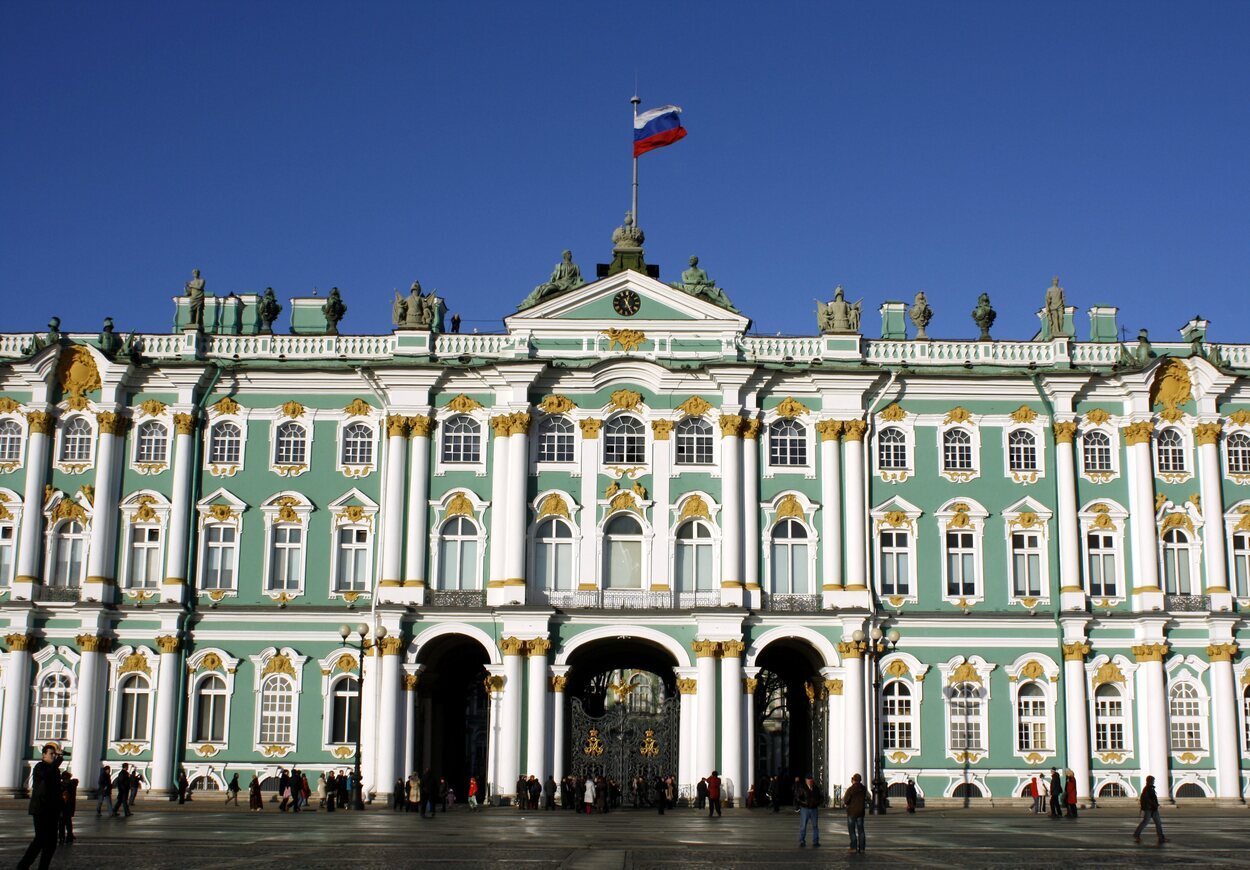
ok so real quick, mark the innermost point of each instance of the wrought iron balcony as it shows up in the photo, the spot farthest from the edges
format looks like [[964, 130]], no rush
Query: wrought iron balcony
[[456, 598], [792, 603], [61, 593], [1187, 602]]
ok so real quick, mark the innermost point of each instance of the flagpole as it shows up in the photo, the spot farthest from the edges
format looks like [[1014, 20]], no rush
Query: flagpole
[[635, 100]]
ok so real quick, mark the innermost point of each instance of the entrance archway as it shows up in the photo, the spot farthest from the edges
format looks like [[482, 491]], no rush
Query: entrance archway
[[791, 713], [455, 710]]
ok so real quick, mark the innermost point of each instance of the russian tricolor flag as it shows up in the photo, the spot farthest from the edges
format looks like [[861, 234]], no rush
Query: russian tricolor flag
[[656, 128]]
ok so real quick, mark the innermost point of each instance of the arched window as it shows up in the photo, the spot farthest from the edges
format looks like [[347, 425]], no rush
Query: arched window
[[1109, 722], [457, 554], [553, 555], [344, 710], [1096, 452], [892, 449], [462, 440], [1031, 718], [1170, 452], [69, 544], [787, 443], [790, 559], [286, 557], [10, 441], [1185, 717], [692, 562], [1190, 790], [132, 721], [152, 443], [956, 450], [143, 569], [895, 572], [210, 710], [896, 709], [1237, 449], [966, 717], [694, 442], [967, 790], [277, 710], [1100, 564], [622, 553], [225, 443], [76, 441], [555, 439], [1022, 450], [289, 448], [220, 555], [624, 441], [1111, 790], [358, 444], [1176, 563], [52, 708]]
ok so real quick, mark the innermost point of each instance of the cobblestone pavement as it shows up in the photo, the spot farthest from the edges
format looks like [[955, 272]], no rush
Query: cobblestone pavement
[[208, 836]]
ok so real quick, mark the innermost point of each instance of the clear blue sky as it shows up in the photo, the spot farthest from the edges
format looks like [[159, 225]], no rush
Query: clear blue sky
[[953, 147]]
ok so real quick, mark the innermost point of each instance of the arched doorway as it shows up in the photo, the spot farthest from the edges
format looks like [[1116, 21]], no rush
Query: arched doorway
[[453, 725], [623, 716], [790, 706]]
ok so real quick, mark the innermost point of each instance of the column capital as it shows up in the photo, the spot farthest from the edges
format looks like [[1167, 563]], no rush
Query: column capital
[[730, 425], [687, 686], [833, 687], [661, 429], [1138, 433], [852, 649], [732, 649], [1208, 433], [590, 428], [512, 646], [1065, 433], [749, 684], [829, 430], [41, 422], [111, 423], [184, 424], [391, 646], [705, 649], [1222, 652], [519, 423], [539, 646], [420, 426], [19, 642], [558, 683], [751, 429], [1075, 651], [1150, 652], [501, 423], [411, 681], [494, 683], [397, 426], [168, 644], [854, 430], [91, 643]]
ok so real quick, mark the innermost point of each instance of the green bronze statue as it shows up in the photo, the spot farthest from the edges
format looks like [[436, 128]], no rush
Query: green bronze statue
[[565, 276], [268, 311], [984, 316], [334, 310], [696, 282]]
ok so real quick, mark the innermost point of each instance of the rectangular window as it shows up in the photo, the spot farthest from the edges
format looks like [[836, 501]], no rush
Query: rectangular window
[[68, 568], [8, 541], [353, 559], [1026, 564], [960, 564], [1100, 564], [894, 563], [145, 553], [219, 543], [1241, 564], [1109, 725], [285, 560]]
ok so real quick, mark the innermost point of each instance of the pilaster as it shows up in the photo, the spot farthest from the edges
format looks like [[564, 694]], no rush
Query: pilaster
[[174, 586], [390, 586], [416, 573], [1071, 589], [731, 511], [30, 545]]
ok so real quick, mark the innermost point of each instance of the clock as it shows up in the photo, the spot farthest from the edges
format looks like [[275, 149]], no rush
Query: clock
[[626, 303]]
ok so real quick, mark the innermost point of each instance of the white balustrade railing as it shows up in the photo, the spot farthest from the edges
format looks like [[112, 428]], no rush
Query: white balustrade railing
[[939, 352], [13, 343], [475, 345], [781, 348]]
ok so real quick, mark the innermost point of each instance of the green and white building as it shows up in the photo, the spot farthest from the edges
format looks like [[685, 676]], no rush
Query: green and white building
[[627, 535]]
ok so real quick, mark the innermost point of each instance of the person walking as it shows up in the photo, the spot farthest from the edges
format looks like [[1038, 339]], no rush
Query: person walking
[[1069, 794], [701, 794], [809, 799], [856, 802], [284, 789], [588, 796], [321, 791], [136, 780], [1036, 795], [444, 792], [399, 799], [184, 787], [45, 808], [429, 792], [774, 792], [661, 793], [713, 794], [104, 790], [911, 796], [473, 793], [549, 793], [122, 785], [69, 803], [1149, 803], [1056, 788], [255, 802]]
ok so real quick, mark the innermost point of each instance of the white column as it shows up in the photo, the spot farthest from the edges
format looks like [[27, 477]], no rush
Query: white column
[[174, 588], [687, 687], [1076, 708], [856, 514], [855, 752], [498, 509], [393, 499], [1142, 517], [558, 728], [831, 503], [751, 512], [748, 717], [416, 573], [89, 710], [518, 465], [14, 739], [706, 652], [165, 716], [661, 541], [833, 730], [101, 573], [390, 728], [1208, 436], [731, 718], [409, 765], [1224, 720], [1152, 692], [1071, 589], [509, 745], [588, 569], [731, 511], [495, 686], [536, 709], [30, 545]]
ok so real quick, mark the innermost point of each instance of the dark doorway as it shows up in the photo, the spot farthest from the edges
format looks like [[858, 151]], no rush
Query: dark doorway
[[454, 684], [790, 710]]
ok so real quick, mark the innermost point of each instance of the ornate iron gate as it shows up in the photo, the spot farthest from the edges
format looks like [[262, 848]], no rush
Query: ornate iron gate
[[624, 744], [819, 700]]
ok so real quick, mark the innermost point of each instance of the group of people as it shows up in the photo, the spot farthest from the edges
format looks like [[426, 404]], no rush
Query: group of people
[[1054, 796], [426, 793], [126, 784]]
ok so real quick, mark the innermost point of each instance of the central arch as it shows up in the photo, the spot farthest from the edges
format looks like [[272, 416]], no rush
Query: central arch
[[790, 710]]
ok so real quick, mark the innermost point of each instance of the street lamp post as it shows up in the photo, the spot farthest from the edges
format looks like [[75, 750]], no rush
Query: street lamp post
[[881, 644], [362, 631]]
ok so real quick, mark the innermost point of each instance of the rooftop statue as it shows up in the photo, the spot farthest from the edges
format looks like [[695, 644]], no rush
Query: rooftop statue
[[195, 292], [984, 316], [419, 310], [838, 315], [334, 310], [921, 314], [268, 311], [39, 342], [1056, 308], [110, 342], [565, 276], [627, 235], [696, 282]]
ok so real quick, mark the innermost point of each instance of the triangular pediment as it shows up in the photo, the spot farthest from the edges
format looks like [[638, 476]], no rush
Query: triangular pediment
[[605, 304]]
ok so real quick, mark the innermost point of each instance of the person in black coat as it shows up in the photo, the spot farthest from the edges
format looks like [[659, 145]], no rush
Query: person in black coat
[[661, 793], [429, 792], [122, 785], [69, 803], [45, 808]]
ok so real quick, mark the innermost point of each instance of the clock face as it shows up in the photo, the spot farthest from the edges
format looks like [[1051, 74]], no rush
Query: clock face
[[626, 303]]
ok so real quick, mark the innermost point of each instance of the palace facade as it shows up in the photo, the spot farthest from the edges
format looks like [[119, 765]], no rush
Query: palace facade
[[627, 536]]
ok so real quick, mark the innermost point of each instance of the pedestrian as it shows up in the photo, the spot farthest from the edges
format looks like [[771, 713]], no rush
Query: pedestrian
[[713, 794], [661, 793], [911, 796], [45, 807], [69, 803], [331, 789], [136, 780], [1069, 794], [1056, 787], [444, 791], [1036, 795], [809, 800], [856, 802], [399, 800], [255, 802], [473, 793], [104, 790], [122, 785], [429, 791], [321, 791], [183, 786], [588, 797], [549, 793], [774, 792], [284, 789], [1149, 803], [305, 792], [455, 323]]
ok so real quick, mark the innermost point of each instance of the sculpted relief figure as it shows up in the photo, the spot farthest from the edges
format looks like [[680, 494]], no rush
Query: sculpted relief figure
[[696, 282], [1056, 308], [565, 276], [195, 292], [838, 315], [921, 314]]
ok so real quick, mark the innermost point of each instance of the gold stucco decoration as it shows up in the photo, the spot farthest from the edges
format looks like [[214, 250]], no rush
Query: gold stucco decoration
[[965, 673], [19, 642], [1097, 416], [894, 519], [77, 374], [893, 412], [420, 426], [751, 429], [694, 506], [90, 643], [1024, 414], [853, 430], [730, 425], [352, 514], [1177, 521], [1240, 417], [286, 508], [623, 501], [961, 519], [695, 406], [1026, 520], [1075, 651], [110, 423], [625, 400], [1102, 517], [898, 668], [519, 423], [9, 405], [152, 407], [40, 422], [829, 430], [135, 662], [705, 649], [358, 408], [462, 404], [459, 506], [145, 513], [557, 404], [210, 662], [184, 424], [512, 646], [68, 509], [1032, 670], [278, 664], [292, 409], [1172, 388], [1208, 433], [87, 491], [851, 649], [590, 428], [791, 407], [1150, 652], [1221, 652], [687, 686], [167, 644], [222, 513], [662, 429], [227, 405], [1065, 433], [626, 339], [958, 414], [553, 505], [789, 506], [1243, 524]]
